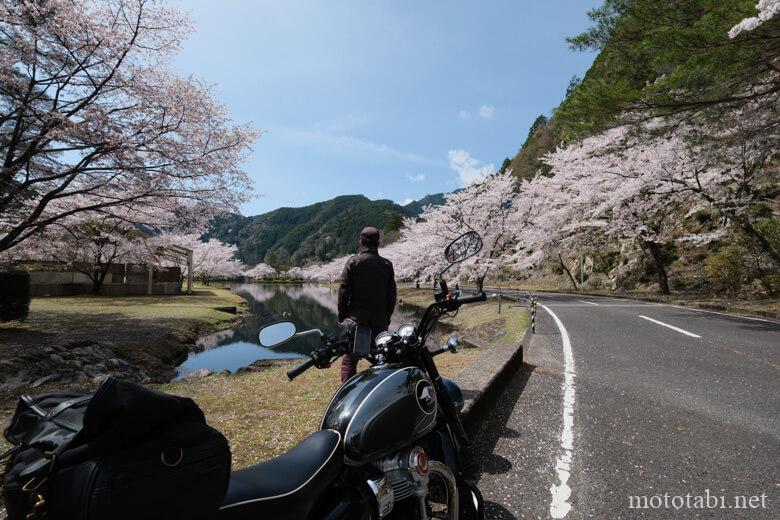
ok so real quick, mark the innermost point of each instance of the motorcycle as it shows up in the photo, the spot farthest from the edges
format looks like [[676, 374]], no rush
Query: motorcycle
[[391, 444]]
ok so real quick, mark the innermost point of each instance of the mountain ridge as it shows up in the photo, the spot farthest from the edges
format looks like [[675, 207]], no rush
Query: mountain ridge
[[319, 232]]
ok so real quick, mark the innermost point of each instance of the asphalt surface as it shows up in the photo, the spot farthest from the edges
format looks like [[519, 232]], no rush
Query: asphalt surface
[[689, 426]]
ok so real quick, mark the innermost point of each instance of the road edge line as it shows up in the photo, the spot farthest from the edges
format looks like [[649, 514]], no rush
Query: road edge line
[[560, 493]]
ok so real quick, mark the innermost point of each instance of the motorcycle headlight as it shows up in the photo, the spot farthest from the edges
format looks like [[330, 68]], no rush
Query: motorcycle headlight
[[407, 331]]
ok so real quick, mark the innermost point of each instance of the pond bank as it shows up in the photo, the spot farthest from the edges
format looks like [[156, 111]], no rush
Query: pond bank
[[70, 343]]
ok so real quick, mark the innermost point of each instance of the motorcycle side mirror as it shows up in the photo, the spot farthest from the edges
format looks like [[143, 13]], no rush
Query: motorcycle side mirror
[[463, 247], [453, 344], [274, 334]]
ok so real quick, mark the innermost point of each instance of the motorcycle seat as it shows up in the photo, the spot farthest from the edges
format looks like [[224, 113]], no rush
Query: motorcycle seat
[[286, 486]]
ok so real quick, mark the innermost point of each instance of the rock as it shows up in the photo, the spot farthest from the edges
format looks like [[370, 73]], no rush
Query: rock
[[262, 363], [203, 372], [56, 358], [31, 356], [243, 370], [45, 379], [224, 373]]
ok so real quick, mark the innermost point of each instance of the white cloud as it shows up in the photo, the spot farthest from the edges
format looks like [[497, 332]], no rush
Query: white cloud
[[487, 111], [405, 202], [416, 178], [469, 169], [463, 114], [350, 145]]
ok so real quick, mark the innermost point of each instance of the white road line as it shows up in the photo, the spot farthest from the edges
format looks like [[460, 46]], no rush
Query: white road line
[[681, 331], [559, 503], [751, 318], [589, 303]]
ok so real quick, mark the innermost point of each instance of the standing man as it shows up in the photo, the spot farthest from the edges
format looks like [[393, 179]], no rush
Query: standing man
[[367, 292]]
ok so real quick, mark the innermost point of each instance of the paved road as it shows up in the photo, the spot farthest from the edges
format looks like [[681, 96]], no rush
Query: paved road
[[677, 407]]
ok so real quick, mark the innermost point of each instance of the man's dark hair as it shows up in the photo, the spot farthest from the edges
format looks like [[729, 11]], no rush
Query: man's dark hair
[[370, 237]]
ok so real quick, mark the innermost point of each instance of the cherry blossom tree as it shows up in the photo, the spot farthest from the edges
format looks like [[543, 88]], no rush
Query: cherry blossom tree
[[92, 119], [488, 207], [213, 259], [641, 185], [260, 271], [767, 9], [92, 245]]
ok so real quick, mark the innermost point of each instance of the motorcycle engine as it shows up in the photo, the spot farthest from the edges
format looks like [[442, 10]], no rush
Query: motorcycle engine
[[407, 471]]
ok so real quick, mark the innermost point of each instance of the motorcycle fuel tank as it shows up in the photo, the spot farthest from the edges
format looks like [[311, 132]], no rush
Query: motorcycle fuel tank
[[380, 411]]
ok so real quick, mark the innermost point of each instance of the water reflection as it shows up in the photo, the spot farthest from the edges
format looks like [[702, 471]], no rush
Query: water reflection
[[309, 306]]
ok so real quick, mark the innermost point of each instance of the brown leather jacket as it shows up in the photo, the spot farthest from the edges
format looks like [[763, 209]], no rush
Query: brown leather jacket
[[367, 293]]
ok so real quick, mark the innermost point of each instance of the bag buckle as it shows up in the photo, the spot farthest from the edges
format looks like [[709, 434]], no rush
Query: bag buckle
[[31, 485], [170, 457], [40, 502]]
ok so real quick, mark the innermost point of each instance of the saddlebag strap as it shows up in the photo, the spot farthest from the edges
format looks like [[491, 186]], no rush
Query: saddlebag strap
[[65, 405], [32, 406]]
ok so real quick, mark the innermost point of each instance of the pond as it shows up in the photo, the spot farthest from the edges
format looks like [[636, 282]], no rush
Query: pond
[[310, 306]]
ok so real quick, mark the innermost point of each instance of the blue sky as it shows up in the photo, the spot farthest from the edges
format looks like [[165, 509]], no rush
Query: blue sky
[[391, 99]]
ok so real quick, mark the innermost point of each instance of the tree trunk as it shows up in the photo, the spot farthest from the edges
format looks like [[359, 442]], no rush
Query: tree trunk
[[760, 241], [480, 282], [568, 273], [98, 278], [660, 268]]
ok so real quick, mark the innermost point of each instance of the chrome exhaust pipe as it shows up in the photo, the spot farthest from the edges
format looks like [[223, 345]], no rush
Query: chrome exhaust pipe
[[453, 509]]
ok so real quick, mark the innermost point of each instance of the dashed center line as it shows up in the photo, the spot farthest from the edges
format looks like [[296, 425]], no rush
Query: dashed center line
[[681, 331], [589, 303]]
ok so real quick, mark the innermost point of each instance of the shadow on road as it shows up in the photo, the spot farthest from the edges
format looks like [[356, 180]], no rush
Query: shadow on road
[[494, 427], [494, 511]]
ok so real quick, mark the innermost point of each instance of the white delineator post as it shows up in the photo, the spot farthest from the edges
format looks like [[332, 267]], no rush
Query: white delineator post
[[189, 271]]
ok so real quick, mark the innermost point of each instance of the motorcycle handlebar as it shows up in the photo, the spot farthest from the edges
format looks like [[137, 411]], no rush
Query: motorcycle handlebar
[[473, 299], [300, 369]]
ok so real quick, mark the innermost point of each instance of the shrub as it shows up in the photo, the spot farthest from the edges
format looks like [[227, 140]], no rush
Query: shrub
[[14, 296], [726, 268]]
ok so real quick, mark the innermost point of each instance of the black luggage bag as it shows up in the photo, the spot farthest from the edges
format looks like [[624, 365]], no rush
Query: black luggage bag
[[125, 453]]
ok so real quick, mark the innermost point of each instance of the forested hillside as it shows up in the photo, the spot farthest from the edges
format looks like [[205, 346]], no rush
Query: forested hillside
[[416, 206], [293, 236], [668, 68]]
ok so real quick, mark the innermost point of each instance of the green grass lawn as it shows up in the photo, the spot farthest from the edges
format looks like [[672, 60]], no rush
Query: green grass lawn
[[177, 309]]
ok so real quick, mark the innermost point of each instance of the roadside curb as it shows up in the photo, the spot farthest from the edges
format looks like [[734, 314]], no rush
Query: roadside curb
[[485, 378]]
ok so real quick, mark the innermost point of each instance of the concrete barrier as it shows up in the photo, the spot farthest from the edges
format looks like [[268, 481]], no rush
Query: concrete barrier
[[484, 379]]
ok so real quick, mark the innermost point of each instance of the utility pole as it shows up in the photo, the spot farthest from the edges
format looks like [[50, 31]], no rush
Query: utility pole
[[582, 271]]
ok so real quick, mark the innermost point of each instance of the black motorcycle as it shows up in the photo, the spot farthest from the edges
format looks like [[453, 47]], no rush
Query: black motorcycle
[[391, 443]]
